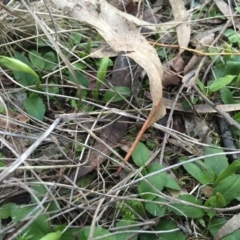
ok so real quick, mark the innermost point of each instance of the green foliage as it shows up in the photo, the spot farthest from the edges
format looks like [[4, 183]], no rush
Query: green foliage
[[18, 66], [35, 107], [217, 172], [201, 86], [75, 38], [226, 96], [52, 236], [232, 66], [126, 223], [140, 154], [50, 61], [81, 79], [36, 59], [27, 76], [166, 225], [158, 181], [5, 210], [200, 171], [215, 163], [38, 228], [101, 75], [113, 95], [221, 82], [233, 36], [99, 231], [217, 200], [226, 172], [157, 207], [229, 188], [186, 210]]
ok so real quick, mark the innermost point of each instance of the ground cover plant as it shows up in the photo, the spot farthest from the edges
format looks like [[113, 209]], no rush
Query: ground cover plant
[[119, 120]]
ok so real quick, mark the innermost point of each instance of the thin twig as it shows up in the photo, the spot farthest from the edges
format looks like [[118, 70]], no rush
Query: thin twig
[[230, 120]]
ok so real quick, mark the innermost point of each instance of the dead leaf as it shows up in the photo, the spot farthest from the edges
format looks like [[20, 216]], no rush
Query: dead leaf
[[202, 45], [232, 225], [197, 128], [184, 29], [171, 70], [170, 78], [122, 35], [66, 6], [228, 12]]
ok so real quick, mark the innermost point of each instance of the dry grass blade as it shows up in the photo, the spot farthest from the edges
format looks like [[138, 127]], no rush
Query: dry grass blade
[[184, 29], [30, 150]]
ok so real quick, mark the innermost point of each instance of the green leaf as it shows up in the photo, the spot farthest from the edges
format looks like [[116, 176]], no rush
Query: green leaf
[[221, 82], [216, 201], [157, 180], [232, 67], [186, 210], [228, 32], [24, 79], [171, 183], [231, 169], [16, 65], [5, 210], [79, 66], [102, 71], [36, 59], [201, 86], [140, 154], [236, 117], [200, 171], [229, 188], [137, 206], [39, 190], [35, 107], [226, 96], [147, 236], [50, 61], [234, 38], [81, 79], [166, 225], [113, 94], [38, 228], [127, 223], [22, 58], [101, 75], [156, 209], [237, 9], [52, 236], [215, 163], [69, 234], [84, 233], [75, 38]]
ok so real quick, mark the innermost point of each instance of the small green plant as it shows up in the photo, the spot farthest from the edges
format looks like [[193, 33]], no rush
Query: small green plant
[[217, 173], [33, 104], [101, 76]]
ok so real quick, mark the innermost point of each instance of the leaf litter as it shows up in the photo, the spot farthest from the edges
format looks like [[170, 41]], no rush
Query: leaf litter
[[127, 28]]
